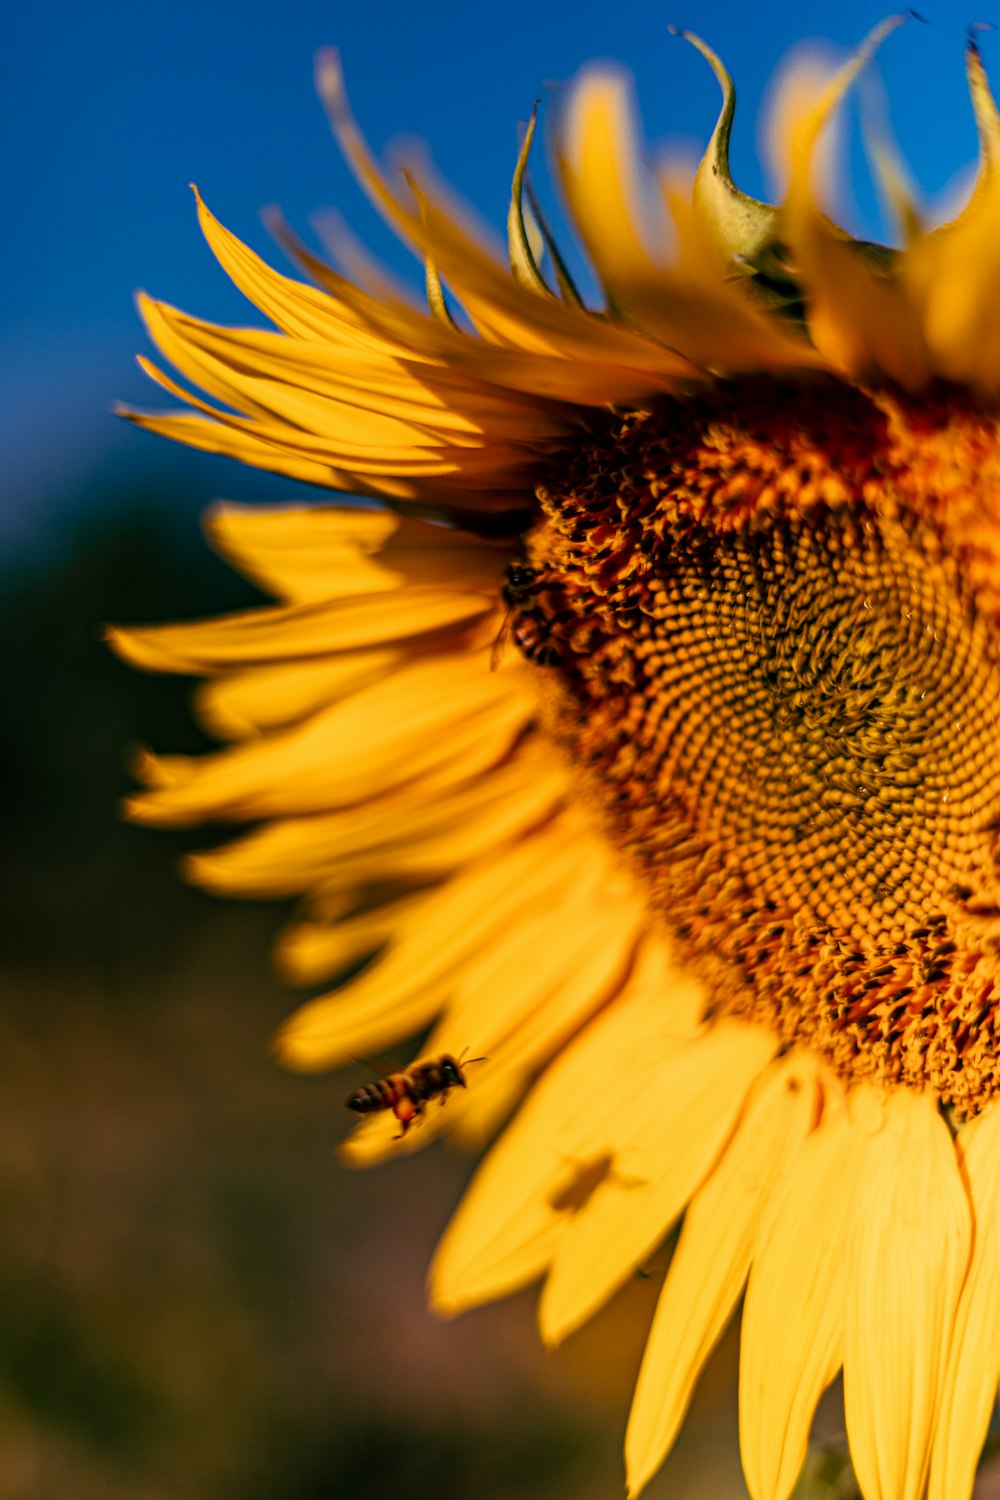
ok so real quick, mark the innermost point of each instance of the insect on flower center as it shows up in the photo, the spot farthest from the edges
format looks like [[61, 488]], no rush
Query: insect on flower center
[[775, 650]]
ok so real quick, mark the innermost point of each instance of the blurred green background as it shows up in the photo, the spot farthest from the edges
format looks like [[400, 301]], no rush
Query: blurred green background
[[196, 1298]]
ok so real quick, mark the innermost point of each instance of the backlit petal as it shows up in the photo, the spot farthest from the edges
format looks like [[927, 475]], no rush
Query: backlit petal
[[712, 1259], [553, 1156], [858, 309], [429, 715], [409, 983], [952, 271], [908, 1248], [692, 1093], [572, 963], [792, 1333], [969, 1393], [307, 554]]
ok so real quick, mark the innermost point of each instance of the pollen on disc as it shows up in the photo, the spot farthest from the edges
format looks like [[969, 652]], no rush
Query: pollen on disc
[[782, 689]]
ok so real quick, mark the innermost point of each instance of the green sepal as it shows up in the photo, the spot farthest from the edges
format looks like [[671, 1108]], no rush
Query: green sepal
[[983, 106], [435, 294], [745, 229], [523, 227], [436, 300], [523, 263], [567, 289]]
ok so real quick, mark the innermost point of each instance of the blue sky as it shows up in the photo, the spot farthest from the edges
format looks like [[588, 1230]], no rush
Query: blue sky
[[112, 109]]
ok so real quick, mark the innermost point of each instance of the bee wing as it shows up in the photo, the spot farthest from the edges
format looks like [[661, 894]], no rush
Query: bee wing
[[378, 1066], [499, 645]]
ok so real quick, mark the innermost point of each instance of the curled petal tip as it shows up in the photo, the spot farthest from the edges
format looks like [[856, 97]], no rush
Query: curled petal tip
[[328, 62], [983, 103], [273, 220], [687, 35], [284, 1049], [885, 28], [332, 90], [330, 77], [270, 216], [440, 1303], [846, 75]]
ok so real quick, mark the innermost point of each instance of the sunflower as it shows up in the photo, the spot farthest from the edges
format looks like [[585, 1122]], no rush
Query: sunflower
[[643, 737]]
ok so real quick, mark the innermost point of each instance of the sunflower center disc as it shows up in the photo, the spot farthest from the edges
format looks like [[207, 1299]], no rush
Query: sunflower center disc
[[790, 725], [821, 709]]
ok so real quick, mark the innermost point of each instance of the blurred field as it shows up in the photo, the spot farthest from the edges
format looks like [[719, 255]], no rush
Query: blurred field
[[196, 1298]]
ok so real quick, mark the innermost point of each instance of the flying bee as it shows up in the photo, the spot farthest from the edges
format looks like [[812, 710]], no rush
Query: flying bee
[[524, 619], [407, 1093]]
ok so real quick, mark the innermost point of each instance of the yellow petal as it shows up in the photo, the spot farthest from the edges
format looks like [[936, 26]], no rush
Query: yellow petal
[[889, 170], [575, 962], [792, 1333], [248, 448], [431, 715], [262, 389], [540, 951], [615, 924], [858, 306], [291, 305], [354, 405], [273, 697], [952, 272], [297, 630], [599, 164], [310, 951], [308, 427], [415, 389], [694, 303], [604, 363], [452, 486], [525, 1193], [307, 554], [908, 1251], [969, 1393], [499, 306], [675, 1116], [489, 466], [403, 989], [712, 1259], [419, 833]]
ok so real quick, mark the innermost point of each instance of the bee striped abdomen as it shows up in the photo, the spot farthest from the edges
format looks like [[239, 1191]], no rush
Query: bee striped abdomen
[[383, 1094]]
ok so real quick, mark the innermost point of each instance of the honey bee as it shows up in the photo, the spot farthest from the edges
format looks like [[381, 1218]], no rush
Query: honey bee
[[408, 1093], [524, 619]]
